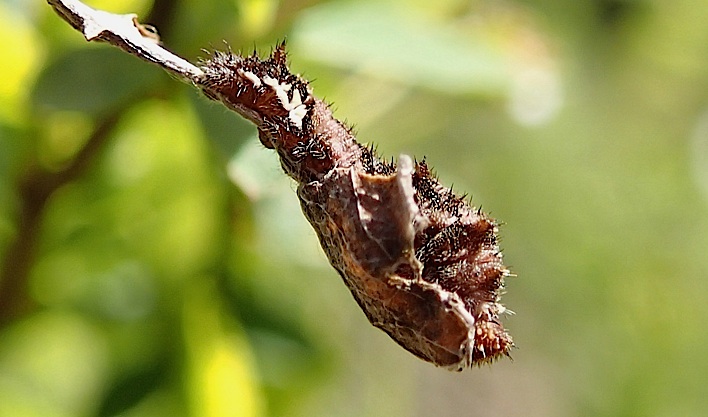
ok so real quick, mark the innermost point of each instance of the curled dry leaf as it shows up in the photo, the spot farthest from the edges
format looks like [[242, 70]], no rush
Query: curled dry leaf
[[423, 264]]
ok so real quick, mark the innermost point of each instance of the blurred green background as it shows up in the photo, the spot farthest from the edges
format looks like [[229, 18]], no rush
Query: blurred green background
[[155, 261]]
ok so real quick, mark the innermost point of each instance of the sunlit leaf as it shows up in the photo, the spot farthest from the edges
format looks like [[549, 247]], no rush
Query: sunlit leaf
[[56, 361], [220, 365], [256, 16], [120, 6], [20, 54]]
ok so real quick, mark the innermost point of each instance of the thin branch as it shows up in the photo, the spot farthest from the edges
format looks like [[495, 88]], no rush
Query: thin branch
[[125, 32], [35, 188]]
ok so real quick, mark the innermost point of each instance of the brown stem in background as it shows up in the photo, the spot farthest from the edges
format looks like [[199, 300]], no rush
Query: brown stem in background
[[34, 190], [36, 187]]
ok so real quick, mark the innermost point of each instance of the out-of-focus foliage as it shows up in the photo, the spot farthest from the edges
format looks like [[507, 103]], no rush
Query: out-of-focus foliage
[[164, 269]]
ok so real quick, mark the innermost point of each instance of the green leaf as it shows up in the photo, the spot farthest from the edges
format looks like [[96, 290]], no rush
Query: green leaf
[[135, 388], [382, 41], [221, 376], [93, 80], [51, 361], [226, 130]]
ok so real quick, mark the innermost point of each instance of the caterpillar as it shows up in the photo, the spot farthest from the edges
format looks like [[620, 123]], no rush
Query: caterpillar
[[423, 265], [421, 262]]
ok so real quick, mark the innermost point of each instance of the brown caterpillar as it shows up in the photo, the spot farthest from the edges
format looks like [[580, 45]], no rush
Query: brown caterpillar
[[420, 261]]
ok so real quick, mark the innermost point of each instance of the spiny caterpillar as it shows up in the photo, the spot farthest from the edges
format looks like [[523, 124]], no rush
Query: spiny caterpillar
[[423, 264]]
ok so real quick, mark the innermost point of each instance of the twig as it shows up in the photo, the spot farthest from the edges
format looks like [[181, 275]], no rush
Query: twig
[[125, 32], [35, 188]]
